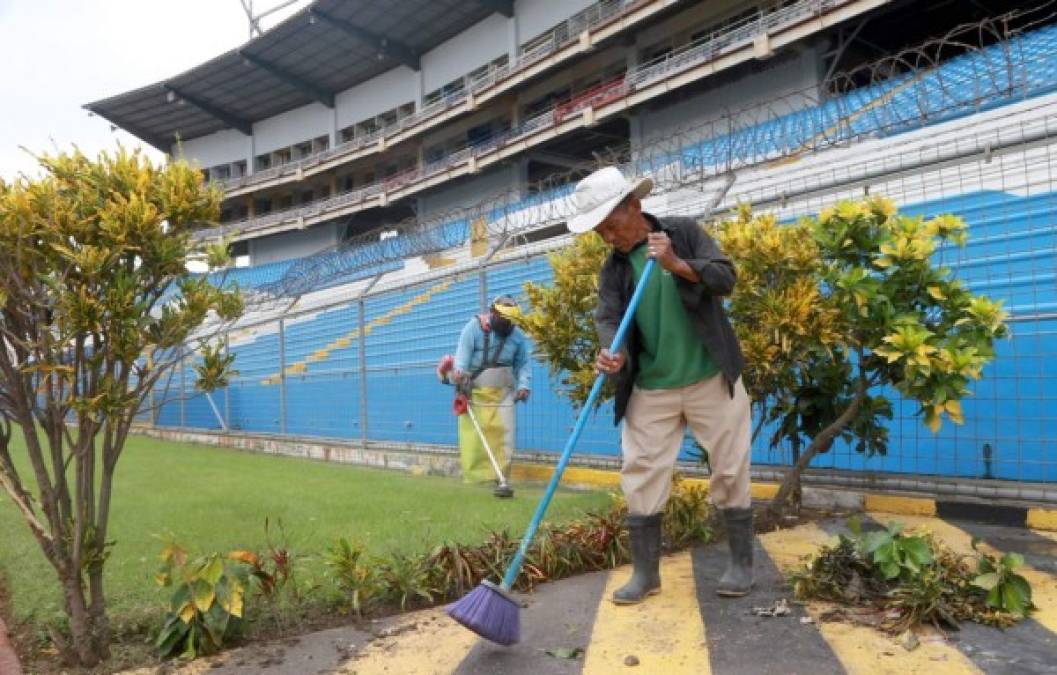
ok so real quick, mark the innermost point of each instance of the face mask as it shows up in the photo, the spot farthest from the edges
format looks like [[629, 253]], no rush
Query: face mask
[[502, 326]]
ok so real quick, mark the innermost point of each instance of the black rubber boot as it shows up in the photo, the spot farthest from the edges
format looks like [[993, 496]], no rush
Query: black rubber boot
[[737, 580], [645, 535]]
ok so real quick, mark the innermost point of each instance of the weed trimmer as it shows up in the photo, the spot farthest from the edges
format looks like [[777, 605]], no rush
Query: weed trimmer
[[490, 610]]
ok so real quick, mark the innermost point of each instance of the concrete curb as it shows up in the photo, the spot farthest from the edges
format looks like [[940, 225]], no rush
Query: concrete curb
[[8, 658], [1012, 515]]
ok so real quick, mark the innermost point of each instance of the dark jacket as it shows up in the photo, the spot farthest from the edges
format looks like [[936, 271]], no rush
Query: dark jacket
[[703, 302]]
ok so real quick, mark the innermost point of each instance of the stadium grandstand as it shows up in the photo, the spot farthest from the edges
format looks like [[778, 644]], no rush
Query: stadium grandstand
[[387, 166]]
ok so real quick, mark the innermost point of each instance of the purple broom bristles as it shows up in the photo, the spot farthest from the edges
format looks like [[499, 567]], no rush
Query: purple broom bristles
[[488, 611]]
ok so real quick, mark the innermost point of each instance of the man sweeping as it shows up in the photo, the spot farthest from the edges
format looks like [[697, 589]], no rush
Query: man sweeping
[[680, 367], [491, 364]]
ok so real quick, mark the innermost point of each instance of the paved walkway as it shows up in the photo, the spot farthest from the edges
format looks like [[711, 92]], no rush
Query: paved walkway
[[686, 629]]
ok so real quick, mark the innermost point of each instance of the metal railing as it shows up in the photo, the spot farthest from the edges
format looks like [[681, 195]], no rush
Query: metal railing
[[558, 38], [637, 78]]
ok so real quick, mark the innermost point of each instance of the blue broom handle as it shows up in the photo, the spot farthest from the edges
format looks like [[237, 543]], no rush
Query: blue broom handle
[[556, 477]]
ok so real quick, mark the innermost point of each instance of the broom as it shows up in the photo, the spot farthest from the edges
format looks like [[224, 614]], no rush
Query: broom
[[490, 610]]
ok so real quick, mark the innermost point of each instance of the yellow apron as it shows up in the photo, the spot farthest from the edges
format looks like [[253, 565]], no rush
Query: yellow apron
[[492, 401]]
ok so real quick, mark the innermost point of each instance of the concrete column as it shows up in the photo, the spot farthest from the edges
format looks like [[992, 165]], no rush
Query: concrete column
[[251, 160], [513, 39], [420, 89], [519, 176], [632, 55], [251, 206], [635, 133], [515, 111], [333, 184], [334, 126]]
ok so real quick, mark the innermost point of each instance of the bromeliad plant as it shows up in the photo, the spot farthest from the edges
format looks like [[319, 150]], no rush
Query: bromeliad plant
[[902, 579]]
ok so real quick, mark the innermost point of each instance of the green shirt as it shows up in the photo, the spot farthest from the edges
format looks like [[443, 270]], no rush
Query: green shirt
[[671, 353]]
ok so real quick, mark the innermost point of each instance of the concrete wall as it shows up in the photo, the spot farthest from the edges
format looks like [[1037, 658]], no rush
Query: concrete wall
[[293, 126], [377, 95], [469, 193], [470, 49], [793, 73], [221, 147], [536, 16], [293, 244]]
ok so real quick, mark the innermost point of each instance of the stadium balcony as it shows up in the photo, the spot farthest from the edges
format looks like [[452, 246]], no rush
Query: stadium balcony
[[735, 44], [965, 84], [577, 35]]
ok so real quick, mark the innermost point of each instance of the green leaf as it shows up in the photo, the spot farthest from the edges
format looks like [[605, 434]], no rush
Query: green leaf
[[1012, 561], [1013, 601], [216, 623], [1022, 587], [213, 570], [875, 540], [918, 550], [171, 633], [191, 650], [986, 581], [890, 570], [203, 594], [994, 597]]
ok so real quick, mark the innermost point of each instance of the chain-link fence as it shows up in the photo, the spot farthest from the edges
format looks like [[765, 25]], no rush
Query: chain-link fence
[[359, 366]]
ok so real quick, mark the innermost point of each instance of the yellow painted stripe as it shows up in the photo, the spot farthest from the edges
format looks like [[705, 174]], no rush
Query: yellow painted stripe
[[861, 649], [1042, 519], [665, 633], [911, 506], [1043, 585], [423, 642], [323, 354], [575, 476]]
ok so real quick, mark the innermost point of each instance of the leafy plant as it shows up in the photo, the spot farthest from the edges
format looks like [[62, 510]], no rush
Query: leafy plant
[[903, 580], [561, 323], [827, 311], [833, 307], [405, 577], [896, 554], [206, 605], [353, 573], [1006, 590], [91, 252]]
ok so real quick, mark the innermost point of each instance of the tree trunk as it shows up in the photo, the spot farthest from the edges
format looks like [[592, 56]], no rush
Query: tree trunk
[[80, 650], [99, 625], [791, 485]]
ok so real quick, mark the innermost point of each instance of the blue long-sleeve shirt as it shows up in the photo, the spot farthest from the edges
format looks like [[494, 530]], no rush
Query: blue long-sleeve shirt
[[515, 353]]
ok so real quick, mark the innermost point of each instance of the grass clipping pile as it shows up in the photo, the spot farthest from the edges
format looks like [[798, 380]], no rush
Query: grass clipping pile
[[895, 580]]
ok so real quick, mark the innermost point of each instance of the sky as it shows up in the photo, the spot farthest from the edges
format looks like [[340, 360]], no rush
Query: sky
[[58, 55]]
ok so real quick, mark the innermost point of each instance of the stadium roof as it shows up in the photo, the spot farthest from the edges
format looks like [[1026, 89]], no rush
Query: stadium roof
[[325, 48]]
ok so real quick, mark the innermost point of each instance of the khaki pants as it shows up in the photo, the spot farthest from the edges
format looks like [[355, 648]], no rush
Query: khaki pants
[[653, 433]]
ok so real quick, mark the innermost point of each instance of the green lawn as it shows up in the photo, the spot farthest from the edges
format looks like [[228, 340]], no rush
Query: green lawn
[[215, 499]]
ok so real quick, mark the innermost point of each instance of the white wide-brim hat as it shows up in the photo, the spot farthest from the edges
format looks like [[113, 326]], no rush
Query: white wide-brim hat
[[597, 195]]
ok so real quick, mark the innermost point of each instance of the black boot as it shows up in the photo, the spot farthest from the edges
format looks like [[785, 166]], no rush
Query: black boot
[[645, 535], [737, 580]]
